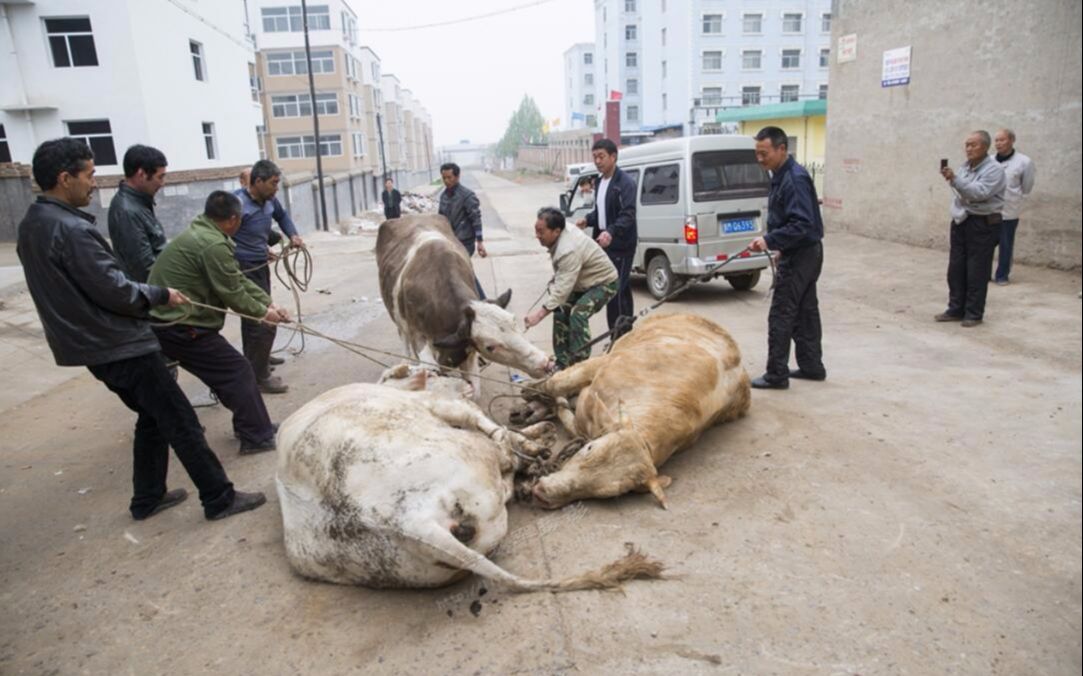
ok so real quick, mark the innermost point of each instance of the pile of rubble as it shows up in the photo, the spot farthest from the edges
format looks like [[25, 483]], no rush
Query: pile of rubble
[[413, 203], [369, 221]]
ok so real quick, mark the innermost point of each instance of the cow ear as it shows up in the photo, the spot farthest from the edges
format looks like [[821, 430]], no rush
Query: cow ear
[[469, 314], [502, 300]]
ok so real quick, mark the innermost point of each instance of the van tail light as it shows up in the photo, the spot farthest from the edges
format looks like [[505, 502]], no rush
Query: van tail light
[[691, 230]]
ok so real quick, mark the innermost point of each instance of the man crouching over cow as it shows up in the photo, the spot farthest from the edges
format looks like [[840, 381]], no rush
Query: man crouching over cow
[[584, 280]]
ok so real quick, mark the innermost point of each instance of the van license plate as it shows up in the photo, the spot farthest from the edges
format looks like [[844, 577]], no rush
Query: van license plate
[[738, 225]]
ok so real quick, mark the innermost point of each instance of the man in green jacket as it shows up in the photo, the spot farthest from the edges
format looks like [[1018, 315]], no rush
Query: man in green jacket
[[138, 238], [201, 262]]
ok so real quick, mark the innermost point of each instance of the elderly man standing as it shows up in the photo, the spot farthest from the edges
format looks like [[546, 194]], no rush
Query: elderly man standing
[[976, 215], [200, 261], [260, 208], [584, 280], [460, 206], [1019, 173]]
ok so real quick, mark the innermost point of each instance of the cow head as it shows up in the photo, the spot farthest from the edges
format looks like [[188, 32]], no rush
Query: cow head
[[490, 329], [611, 465]]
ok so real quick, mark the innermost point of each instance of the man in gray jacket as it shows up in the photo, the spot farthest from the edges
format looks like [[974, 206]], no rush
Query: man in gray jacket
[[136, 234], [1019, 173], [460, 206]]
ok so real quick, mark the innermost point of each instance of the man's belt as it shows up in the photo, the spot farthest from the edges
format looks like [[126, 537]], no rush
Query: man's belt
[[988, 219]]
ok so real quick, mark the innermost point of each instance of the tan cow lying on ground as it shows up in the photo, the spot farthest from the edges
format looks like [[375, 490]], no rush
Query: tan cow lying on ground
[[404, 484], [654, 394]]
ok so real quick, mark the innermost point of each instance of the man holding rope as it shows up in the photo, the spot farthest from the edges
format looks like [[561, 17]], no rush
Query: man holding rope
[[95, 316], [201, 262], [259, 208]]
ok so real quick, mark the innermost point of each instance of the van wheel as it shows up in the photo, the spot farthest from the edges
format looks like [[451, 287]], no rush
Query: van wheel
[[744, 282], [660, 280]]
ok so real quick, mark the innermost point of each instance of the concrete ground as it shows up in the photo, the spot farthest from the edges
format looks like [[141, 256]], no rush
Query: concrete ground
[[917, 513]]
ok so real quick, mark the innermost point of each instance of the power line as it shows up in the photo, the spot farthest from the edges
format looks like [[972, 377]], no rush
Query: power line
[[450, 22]]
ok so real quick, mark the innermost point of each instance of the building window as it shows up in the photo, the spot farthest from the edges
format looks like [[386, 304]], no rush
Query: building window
[[358, 144], [293, 63], [789, 93], [588, 59], [711, 96], [752, 59], [71, 42], [791, 58], [663, 37], [712, 24], [253, 82], [632, 86], [99, 136], [629, 5], [588, 79], [665, 101], [300, 147], [712, 60], [592, 120], [632, 113], [629, 32], [665, 69], [823, 91], [5, 149], [791, 23], [588, 99], [825, 22], [752, 23], [197, 59], [208, 140], [288, 19], [750, 96], [825, 58], [631, 60], [300, 105]]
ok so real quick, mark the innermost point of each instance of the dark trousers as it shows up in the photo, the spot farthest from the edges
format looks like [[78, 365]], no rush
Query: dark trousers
[[208, 356], [795, 314], [258, 338], [621, 304], [970, 263], [165, 419], [1006, 247], [470, 245]]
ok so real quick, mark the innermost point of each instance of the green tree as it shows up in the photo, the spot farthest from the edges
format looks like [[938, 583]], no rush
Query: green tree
[[526, 126]]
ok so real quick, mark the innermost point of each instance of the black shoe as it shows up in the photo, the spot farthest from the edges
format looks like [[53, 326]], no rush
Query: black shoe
[[762, 383], [242, 502], [253, 447], [969, 323], [801, 375], [275, 361], [947, 317], [237, 435], [170, 499], [272, 385]]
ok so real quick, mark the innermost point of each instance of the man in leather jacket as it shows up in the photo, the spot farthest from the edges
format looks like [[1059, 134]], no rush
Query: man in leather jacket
[[96, 316], [134, 230]]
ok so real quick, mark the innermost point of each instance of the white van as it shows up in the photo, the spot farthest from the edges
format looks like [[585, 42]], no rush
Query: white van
[[572, 172], [700, 200]]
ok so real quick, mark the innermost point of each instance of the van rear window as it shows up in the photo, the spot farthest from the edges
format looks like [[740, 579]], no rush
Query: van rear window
[[727, 174]]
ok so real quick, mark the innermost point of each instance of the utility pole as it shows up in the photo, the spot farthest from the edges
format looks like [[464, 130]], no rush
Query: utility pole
[[383, 155], [315, 114]]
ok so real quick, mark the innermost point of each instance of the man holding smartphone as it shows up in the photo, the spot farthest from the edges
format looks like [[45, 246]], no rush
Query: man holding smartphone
[[978, 190]]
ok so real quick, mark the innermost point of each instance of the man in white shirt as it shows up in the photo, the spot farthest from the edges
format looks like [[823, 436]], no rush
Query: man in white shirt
[[1019, 171]]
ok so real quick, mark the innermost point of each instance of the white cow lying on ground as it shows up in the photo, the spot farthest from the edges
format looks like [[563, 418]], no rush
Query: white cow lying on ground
[[404, 484], [654, 394]]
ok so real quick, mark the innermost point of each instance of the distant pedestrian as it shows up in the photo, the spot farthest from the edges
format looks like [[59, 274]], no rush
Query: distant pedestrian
[[95, 316], [392, 200], [613, 225], [584, 280], [134, 230], [462, 209], [976, 215], [1019, 173], [795, 229]]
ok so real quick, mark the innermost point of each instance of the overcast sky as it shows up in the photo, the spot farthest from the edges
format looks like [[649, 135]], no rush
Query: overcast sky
[[471, 76]]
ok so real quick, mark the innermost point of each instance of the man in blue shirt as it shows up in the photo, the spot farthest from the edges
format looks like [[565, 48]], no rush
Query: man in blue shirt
[[795, 230], [259, 208]]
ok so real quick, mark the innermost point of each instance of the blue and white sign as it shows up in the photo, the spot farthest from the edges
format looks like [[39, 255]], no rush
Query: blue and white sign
[[896, 69]]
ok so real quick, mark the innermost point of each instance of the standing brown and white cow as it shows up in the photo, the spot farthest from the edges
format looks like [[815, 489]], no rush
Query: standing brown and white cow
[[654, 394], [427, 285]]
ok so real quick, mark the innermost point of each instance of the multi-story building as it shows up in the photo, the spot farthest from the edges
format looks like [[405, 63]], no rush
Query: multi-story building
[[677, 62], [580, 93], [171, 75], [352, 94]]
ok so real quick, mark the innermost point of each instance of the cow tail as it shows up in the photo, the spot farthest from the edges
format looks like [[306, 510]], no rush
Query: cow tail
[[634, 565]]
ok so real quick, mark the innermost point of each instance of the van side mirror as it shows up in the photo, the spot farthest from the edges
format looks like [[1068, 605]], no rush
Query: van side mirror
[[565, 203]]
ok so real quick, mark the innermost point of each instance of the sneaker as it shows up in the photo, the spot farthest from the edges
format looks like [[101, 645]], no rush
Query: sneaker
[[275, 361], [969, 323], [947, 317], [170, 499], [762, 383], [242, 502], [1002, 282], [253, 447], [273, 385]]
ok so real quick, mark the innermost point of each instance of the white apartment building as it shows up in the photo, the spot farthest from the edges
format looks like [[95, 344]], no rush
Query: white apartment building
[[676, 62], [580, 92], [174, 75]]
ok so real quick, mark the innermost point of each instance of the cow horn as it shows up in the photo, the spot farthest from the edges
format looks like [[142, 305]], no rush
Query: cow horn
[[502, 300], [655, 486]]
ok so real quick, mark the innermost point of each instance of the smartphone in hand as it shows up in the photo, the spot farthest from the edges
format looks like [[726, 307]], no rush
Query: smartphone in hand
[[943, 164]]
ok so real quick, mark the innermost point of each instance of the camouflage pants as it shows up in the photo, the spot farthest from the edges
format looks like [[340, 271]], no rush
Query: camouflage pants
[[571, 323]]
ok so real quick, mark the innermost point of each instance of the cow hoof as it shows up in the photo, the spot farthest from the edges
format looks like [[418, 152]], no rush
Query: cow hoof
[[545, 433]]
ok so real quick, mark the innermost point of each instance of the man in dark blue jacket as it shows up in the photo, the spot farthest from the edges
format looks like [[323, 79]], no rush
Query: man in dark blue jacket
[[613, 224], [795, 230]]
